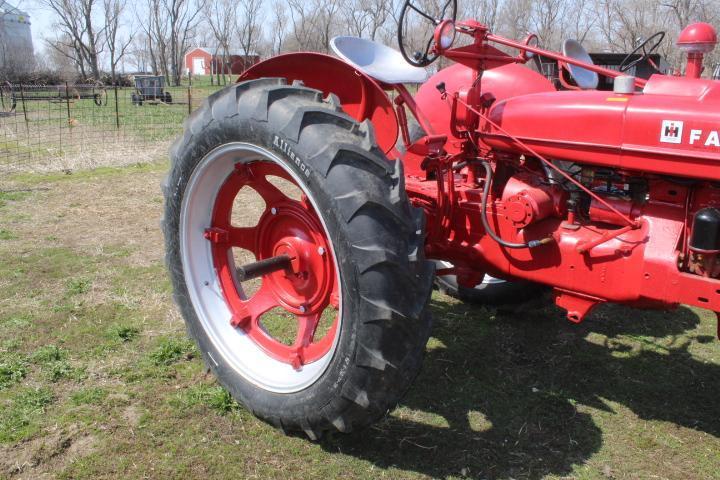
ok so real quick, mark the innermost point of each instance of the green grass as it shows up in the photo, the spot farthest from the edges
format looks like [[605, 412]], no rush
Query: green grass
[[123, 333], [13, 368], [22, 418], [12, 196], [49, 353], [16, 321], [213, 397], [78, 286], [88, 396], [171, 350], [93, 352], [207, 81], [54, 363]]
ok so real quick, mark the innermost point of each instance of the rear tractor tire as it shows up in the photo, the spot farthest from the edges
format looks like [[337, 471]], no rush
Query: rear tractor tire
[[351, 245], [490, 291]]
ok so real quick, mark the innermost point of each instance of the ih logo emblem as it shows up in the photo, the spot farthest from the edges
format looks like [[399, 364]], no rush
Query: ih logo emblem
[[671, 131]]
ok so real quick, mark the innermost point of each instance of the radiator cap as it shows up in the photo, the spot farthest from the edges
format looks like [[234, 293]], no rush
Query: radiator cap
[[624, 84]]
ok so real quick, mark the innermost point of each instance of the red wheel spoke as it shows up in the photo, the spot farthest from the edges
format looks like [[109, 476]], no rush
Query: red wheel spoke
[[261, 302], [269, 192], [307, 324], [306, 330], [247, 312], [325, 342], [242, 237]]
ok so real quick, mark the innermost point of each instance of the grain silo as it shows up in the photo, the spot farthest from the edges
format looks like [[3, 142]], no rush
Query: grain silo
[[16, 48]]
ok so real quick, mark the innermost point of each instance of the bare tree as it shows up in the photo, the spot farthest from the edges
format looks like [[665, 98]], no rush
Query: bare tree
[[146, 20], [170, 26], [182, 17], [157, 33], [325, 20], [313, 23], [63, 62], [117, 47], [545, 21], [140, 54], [279, 27], [220, 16], [365, 18], [387, 33], [304, 37], [249, 25], [515, 18], [484, 11], [77, 31], [578, 21], [622, 24], [683, 10]]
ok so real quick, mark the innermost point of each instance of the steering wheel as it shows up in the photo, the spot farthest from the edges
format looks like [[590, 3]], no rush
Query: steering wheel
[[646, 52], [425, 57]]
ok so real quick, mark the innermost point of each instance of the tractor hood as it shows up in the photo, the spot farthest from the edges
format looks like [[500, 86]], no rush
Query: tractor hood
[[672, 127]]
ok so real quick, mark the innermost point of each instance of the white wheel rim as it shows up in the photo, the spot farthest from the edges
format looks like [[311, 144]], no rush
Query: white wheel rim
[[237, 349]]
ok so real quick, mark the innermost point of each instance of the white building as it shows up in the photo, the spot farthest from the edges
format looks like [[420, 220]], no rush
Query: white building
[[16, 47]]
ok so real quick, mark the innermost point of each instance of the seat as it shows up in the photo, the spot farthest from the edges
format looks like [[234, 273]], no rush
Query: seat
[[376, 60], [584, 78]]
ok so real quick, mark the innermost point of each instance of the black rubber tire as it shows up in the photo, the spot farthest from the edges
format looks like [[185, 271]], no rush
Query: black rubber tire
[[377, 236], [167, 97], [490, 293]]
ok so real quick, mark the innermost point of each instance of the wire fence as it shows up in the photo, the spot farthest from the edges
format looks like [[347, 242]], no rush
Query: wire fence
[[69, 127]]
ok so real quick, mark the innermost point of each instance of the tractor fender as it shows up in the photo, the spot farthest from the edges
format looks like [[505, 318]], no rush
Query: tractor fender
[[360, 96], [503, 82]]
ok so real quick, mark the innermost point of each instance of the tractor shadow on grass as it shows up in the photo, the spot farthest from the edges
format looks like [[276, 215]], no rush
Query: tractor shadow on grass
[[505, 395]]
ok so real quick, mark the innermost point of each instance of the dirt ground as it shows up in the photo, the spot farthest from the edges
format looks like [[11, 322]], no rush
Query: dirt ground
[[97, 379]]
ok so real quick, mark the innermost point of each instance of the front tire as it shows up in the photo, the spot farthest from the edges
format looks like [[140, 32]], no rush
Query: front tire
[[354, 212]]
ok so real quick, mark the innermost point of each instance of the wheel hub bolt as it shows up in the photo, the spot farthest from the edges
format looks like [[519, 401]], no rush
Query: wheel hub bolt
[[303, 308], [321, 251], [273, 210]]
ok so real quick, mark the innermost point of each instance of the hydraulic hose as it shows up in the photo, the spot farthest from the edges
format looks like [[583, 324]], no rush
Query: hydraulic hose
[[486, 224]]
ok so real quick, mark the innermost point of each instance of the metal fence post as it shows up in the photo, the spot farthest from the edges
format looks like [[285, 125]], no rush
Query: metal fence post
[[22, 100], [67, 100], [189, 101], [117, 110]]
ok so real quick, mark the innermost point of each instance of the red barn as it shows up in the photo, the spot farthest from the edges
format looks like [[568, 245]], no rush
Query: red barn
[[203, 61]]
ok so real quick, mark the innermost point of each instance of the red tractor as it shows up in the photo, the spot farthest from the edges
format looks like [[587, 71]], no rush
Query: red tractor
[[487, 171]]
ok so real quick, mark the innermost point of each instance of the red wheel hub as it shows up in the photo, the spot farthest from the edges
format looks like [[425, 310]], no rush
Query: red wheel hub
[[305, 288]]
